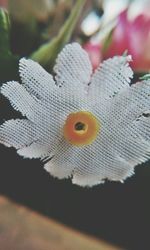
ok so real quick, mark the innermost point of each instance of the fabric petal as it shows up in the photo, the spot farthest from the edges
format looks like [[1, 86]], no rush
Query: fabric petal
[[19, 98], [73, 68], [123, 142], [57, 166], [17, 133], [35, 150], [36, 80], [112, 76], [133, 113]]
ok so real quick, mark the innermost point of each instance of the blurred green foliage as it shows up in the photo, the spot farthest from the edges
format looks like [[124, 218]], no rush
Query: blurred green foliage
[[8, 62], [48, 52], [18, 39]]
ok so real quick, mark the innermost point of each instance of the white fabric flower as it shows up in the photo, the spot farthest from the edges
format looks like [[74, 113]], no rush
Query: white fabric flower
[[110, 134]]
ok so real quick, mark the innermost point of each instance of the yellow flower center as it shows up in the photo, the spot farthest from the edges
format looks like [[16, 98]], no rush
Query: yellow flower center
[[81, 128]]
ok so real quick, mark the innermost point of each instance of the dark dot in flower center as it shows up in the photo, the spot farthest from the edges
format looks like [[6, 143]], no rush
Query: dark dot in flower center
[[79, 126]]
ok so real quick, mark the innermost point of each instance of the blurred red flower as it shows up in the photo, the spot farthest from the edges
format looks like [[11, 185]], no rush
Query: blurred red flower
[[94, 52], [133, 36]]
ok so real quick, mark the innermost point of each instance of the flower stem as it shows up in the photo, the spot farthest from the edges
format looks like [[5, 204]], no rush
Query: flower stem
[[47, 53]]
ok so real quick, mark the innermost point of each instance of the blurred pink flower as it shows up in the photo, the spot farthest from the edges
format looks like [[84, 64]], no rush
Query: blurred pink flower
[[133, 36], [94, 52], [4, 3]]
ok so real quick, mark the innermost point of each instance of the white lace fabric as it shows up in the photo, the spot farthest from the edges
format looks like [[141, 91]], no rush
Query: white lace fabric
[[123, 111]]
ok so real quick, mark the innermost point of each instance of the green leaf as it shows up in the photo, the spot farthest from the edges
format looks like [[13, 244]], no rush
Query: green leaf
[[8, 62], [125, 53], [48, 52], [145, 77], [4, 32], [107, 41]]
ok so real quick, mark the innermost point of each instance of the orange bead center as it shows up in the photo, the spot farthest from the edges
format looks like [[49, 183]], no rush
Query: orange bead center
[[81, 128]]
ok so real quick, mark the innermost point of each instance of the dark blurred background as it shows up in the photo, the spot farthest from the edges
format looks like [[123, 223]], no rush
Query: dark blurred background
[[118, 213]]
